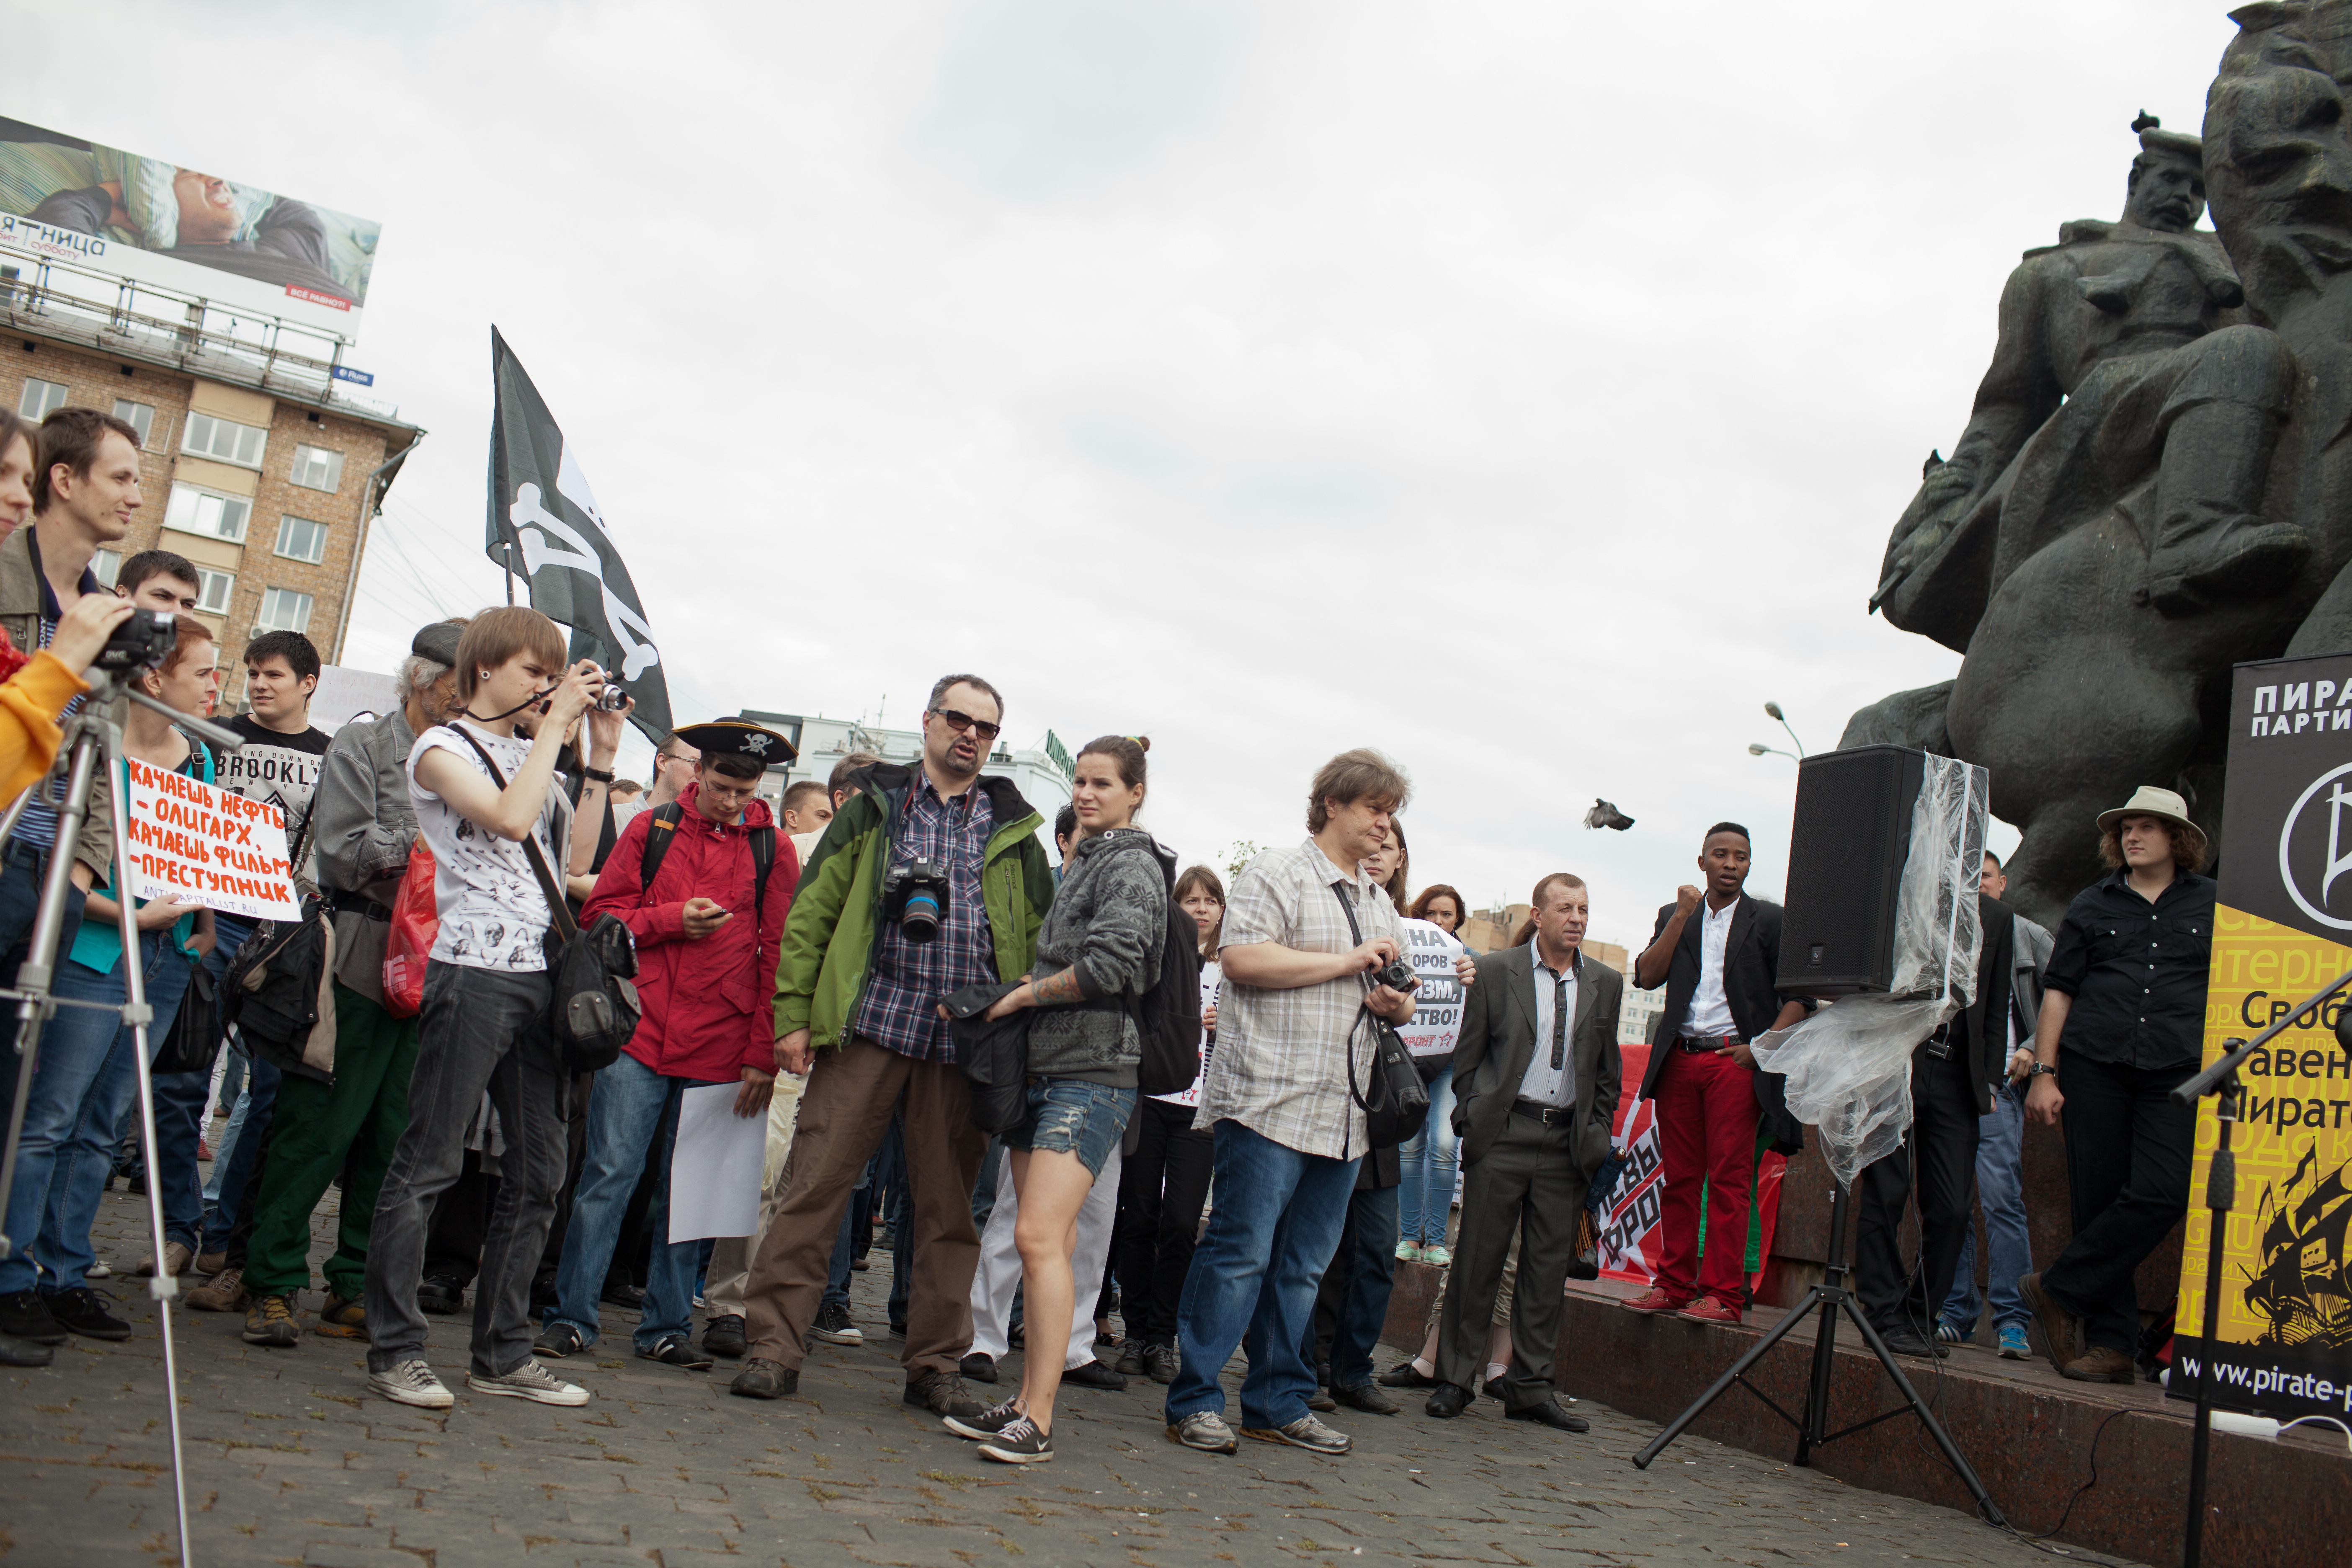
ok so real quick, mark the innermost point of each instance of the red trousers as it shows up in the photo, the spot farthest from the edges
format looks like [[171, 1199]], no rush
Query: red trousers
[[1707, 1131]]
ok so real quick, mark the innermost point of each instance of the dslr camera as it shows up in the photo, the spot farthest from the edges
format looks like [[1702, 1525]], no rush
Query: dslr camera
[[1397, 975], [916, 895], [145, 639]]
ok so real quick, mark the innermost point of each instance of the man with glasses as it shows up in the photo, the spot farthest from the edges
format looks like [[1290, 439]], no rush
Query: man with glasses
[[674, 765], [705, 889], [860, 995]]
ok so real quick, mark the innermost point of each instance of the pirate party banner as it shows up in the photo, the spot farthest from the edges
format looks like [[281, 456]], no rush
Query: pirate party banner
[[544, 527], [2283, 928]]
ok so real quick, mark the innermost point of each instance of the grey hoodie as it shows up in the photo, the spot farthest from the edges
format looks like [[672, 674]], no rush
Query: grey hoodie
[[1109, 922]]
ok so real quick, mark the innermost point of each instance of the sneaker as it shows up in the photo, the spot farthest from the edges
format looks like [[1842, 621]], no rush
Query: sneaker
[[1437, 1256], [1654, 1300], [1131, 1359], [1094, 1373], [1161, 1361], [942, 1394], [411, 1383], [101, 1270], [985, 1425], [529, 1380], [177, 1256], [1019, 1444], [1946, 1334], [270, 1320], [723, 1335], [1408, 1252], [1709, 1310], [833, 1327], [224, 1292], [342, 1320], [83, 1310], [677, 1350], [1204, 1430], [763, 1379], [440, 1295], [25, 1316], [978, 1367], [2012, 1342], [211, 1263], [557, 1340], [1304, 1433]]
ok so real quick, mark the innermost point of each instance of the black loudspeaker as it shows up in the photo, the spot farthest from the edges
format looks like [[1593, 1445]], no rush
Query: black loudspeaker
[[1846, 850]]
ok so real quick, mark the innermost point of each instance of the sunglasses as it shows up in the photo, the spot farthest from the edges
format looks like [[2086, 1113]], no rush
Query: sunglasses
[[960, 722]]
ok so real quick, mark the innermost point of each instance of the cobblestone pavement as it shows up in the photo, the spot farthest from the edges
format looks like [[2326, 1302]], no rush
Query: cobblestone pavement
[[291, 1462]]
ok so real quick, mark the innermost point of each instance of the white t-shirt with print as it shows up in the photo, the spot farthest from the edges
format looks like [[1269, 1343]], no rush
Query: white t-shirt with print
[[493, 915]]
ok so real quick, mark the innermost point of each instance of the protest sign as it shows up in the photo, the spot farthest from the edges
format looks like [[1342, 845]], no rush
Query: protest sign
[[1437, 1022], [207, 846], [1631, 1212], [1211, 977]]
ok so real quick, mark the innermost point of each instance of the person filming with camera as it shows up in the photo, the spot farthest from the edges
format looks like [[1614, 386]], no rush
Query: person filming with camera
[[929, 880]]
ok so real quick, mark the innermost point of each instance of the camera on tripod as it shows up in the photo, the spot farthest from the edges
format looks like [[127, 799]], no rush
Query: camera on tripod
[[145, 639], [915, 895], [1396, 974]]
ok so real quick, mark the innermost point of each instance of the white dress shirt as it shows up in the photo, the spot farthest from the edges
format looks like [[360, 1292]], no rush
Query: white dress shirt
[[1545, 1084], [1710, 1009]]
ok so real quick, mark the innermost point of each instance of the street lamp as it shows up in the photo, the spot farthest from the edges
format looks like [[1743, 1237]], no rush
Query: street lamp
[[1755, 749], [1772, 710]]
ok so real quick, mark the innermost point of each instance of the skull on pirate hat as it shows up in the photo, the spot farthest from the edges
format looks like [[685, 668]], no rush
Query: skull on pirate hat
[[761, 747]]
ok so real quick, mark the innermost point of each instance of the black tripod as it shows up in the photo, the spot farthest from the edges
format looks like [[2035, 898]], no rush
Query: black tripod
[[2221, 1197], [1830, 1298], [97, 742]]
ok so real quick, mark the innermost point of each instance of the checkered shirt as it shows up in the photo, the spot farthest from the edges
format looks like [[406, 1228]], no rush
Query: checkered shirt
[[909, 979]]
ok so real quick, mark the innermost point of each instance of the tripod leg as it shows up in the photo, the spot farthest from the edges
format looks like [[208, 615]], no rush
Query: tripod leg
[[1985, 1505], [28, 1039], [1755, 1353]]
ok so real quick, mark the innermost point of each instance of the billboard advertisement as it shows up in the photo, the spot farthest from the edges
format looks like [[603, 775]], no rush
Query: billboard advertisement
[[153, 221], [2282, 929]]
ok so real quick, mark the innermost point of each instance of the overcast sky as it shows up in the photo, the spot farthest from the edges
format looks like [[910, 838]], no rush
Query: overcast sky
[[1525, 390]]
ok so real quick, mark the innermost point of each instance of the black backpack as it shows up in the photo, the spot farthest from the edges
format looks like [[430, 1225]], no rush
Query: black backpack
[[1168, 1017], [664, 829], [272, 1002]]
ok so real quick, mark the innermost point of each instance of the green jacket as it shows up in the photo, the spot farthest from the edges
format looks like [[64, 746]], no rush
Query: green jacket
[[836, 916]]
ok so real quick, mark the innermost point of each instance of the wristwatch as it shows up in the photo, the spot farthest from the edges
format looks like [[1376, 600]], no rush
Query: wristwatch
[[596, 775], [2039, 1068]]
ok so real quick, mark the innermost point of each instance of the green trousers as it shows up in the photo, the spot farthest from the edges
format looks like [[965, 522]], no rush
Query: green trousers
[[319, 1133]]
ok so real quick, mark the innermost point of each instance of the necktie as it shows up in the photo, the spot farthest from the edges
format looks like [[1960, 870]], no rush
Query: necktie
[[1559, 1022]]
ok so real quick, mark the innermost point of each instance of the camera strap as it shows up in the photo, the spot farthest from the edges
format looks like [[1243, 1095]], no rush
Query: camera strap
[[558, 912], [1363, 1008]]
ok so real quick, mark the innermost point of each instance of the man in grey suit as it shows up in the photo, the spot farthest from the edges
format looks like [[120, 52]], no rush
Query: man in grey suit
[[1536, 1080]]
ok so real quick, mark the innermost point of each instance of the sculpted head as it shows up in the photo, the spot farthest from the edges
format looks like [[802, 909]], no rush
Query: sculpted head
[[2167, 187]]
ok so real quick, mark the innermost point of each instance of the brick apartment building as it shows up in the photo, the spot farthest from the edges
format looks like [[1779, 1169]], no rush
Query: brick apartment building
[[260, 468]]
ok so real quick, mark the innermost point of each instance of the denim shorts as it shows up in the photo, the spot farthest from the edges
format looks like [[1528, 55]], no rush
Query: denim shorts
[[1071, 1116]]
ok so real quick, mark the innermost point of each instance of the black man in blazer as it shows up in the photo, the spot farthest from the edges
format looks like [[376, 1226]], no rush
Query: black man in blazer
[[1536, 1081], [1717, 953]]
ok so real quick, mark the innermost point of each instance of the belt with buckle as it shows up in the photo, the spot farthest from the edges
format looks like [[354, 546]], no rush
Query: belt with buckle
[[1550, 1115], [1696, 1043]]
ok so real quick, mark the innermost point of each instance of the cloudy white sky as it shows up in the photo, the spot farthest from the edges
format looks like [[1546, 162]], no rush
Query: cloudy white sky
[[1524, 389]]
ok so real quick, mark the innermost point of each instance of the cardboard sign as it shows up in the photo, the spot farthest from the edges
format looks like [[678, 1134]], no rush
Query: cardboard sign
[[1436, 1025], [205, 845], [1631, 1212]]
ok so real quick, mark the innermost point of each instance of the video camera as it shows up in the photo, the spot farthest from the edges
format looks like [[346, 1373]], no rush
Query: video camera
[[145, 639]]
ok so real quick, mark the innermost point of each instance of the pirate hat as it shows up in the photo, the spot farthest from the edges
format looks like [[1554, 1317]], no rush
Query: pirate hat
[[739, 738]]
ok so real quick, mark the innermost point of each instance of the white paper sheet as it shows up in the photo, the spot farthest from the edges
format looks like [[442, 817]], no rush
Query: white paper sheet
[[714, 1170]]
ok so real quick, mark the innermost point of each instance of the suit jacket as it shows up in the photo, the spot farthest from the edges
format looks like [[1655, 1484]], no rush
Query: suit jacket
[[2008, 975], [1498, 1041], [1751, 959]]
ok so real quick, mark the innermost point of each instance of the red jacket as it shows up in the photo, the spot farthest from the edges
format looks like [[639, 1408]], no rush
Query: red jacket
[[709, 1003]]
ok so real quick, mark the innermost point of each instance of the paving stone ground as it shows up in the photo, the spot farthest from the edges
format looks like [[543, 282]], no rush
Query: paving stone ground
[[289, 1461]]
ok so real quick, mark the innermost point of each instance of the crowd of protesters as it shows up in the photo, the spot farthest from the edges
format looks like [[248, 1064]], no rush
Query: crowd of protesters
[[832, 959]]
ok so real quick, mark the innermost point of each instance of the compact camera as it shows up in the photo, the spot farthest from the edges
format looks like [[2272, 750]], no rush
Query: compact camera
[[916, 895], [1397, 975], [612, 699], [146, 638]]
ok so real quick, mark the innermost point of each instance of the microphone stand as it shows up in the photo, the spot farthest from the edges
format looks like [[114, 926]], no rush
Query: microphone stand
[[96, 738], [2220, 1080]]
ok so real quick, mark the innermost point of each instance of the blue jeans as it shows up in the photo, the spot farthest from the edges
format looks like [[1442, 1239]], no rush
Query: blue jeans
[[235, 1085], [179, 1127], [631, 1116], [1071, 1116], [2000, 1188], [232, 1163], [1426, 1193], [1277, 1223], [83, 1078], [1356, 1285]]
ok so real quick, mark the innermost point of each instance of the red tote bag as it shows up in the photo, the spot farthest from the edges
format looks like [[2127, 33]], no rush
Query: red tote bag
[[414, 923]]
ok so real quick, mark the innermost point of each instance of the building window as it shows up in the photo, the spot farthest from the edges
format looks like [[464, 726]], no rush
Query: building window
[[208, 512], [318, 468], [140, 417], [41, 399], [213, 590], [300, 539], [284, 610], [104, 565], [219, 438]]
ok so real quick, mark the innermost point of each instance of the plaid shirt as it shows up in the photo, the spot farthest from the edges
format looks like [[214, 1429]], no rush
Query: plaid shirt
[[1281, 1062], [908, 979]]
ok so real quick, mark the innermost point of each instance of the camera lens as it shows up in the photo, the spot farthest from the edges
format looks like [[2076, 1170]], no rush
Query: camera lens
[[921, 923]]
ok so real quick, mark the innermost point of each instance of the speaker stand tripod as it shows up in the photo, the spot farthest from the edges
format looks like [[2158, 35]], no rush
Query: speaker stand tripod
[[1829, 1299]]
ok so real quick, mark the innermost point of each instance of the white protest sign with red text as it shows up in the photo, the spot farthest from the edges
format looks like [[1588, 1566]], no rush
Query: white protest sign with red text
[[204, 846]]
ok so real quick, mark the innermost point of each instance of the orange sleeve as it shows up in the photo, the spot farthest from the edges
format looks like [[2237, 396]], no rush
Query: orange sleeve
[[30, 701]]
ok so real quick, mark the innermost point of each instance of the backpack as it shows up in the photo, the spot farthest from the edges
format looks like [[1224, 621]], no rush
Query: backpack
[[277, 1003], [1168, 1017], [664, 829]]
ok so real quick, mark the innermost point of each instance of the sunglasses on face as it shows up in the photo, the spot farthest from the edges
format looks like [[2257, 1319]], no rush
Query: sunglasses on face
[[960, 722]]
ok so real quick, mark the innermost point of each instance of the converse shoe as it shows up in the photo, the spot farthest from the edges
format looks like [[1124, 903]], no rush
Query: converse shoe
[[985, 1425], [833, 1327], [411, 1383], [1204, 1430], [1020, 1443], [529, 1380], [1304, 1433]]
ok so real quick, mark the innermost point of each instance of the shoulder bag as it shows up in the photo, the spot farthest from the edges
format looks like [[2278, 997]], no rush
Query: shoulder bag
[[1395, 1103]]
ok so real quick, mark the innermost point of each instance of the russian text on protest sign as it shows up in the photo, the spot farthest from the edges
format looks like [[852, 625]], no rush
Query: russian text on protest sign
[[201, 844]]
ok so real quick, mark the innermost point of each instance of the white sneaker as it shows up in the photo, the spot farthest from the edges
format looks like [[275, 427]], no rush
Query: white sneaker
[[411, 1383], [529, 1380]]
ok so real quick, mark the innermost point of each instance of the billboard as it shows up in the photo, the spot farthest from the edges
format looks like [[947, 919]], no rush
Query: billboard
[[2282, 929], [153, 221]]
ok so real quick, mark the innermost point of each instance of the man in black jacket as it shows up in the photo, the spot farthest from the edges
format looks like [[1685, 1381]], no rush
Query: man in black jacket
[[1716, 952], [1952, 1072]]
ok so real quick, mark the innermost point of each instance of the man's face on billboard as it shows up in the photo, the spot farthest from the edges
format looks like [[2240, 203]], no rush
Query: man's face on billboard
[[207, 209]]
